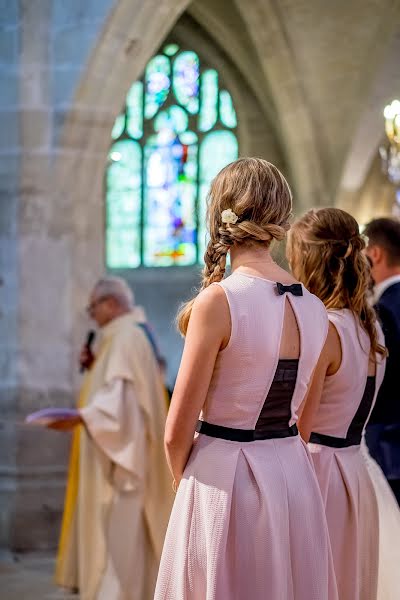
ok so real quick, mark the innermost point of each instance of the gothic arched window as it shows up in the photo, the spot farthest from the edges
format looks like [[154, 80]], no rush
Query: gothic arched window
[[177, 130]]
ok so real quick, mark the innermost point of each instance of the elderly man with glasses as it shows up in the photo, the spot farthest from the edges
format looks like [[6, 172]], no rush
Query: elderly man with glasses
[[118, 495]]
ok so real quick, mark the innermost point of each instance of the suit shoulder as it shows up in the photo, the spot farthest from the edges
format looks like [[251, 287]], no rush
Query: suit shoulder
[[389, 307], [391, 296]]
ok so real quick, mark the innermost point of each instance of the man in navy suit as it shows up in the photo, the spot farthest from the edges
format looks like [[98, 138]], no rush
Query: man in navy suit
[[383, 431]]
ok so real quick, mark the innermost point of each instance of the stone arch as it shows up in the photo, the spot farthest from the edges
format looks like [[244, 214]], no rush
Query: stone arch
[[256, 125], [85, 135], [132, 33], [295, 122], [361, 179], [317, 84]]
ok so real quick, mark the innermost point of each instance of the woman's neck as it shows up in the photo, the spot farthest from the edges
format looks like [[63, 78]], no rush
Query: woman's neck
[[250, 256], [257, 260]]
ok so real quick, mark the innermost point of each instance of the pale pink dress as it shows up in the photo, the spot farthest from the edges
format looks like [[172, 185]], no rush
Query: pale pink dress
[[248, 520], [347, 489]]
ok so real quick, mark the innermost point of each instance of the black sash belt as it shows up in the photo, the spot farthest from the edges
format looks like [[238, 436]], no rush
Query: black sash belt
[[334, 442], [244, 435]]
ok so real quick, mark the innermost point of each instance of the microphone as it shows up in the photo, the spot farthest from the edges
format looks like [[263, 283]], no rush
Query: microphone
[[88, 344]]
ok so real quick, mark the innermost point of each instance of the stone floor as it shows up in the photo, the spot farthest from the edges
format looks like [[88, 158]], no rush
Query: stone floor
[[29, 577]]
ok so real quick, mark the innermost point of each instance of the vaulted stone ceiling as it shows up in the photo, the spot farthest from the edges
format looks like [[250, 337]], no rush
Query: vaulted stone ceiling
[[319, 70]]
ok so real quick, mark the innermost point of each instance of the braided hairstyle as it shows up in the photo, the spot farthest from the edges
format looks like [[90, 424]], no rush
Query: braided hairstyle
[[325, 252], [257, 192]]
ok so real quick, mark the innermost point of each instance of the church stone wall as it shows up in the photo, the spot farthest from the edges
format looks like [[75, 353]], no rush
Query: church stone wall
[[35, 241]]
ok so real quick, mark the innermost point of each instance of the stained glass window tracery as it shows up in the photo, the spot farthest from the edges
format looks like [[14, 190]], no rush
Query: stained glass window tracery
[[177, 130]]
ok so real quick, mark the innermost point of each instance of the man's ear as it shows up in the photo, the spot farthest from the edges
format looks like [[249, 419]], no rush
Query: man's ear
[[376, 254]]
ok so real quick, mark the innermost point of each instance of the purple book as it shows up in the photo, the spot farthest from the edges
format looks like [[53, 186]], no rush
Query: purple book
[[48, 415]]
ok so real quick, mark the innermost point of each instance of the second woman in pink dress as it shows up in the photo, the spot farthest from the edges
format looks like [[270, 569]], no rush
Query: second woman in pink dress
[[325, 251]]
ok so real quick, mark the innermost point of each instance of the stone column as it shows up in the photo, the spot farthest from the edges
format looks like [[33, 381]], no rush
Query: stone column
[[34, 267], [51, 228], [9, 168]]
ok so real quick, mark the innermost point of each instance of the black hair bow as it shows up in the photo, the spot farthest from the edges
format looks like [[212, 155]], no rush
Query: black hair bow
[[294, 289]]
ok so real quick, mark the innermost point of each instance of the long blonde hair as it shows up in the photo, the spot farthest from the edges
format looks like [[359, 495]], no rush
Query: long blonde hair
[[325, 252], [257, 192]]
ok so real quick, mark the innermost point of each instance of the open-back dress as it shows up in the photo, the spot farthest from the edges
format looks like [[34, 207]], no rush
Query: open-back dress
[[248, 520]]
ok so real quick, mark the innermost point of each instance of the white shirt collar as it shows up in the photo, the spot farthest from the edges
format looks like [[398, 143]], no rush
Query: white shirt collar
[[381, 287]]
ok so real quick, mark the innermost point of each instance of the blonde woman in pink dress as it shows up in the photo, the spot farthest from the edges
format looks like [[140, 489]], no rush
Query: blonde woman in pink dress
[[248, 519], [325, 251]]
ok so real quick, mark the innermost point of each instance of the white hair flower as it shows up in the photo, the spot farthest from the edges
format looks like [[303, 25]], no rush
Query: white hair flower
[[228, 216]]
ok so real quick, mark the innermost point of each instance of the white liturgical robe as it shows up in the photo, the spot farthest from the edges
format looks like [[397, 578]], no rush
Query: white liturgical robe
[[119, 490]]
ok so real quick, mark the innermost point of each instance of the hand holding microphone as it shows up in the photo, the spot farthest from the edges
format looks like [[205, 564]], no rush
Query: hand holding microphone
[[87, 357]]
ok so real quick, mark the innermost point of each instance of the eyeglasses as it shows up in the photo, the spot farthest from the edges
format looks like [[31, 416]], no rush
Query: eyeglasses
[[90, 307]]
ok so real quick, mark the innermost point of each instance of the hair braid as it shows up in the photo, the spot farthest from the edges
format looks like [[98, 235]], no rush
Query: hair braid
[[215, 262], [214, 270]]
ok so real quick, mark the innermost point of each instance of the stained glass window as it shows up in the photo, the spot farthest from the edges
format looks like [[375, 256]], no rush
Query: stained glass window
[[177, 130], [209, 100], [134, 111]]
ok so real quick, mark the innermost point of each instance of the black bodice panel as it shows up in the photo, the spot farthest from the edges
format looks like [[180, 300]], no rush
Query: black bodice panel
[[276, 411], [354, 432], [273, 421]]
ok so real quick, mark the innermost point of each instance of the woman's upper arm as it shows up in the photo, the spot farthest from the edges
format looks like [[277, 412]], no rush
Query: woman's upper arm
[[209, 328], [328, 364]]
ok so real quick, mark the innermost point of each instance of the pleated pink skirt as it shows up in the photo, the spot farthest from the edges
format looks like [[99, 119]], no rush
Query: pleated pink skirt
[[248, 523], [389, 531], [352, 515]]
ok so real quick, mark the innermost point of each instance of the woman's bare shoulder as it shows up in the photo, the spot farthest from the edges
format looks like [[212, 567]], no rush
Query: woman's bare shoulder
[[212, 300]]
